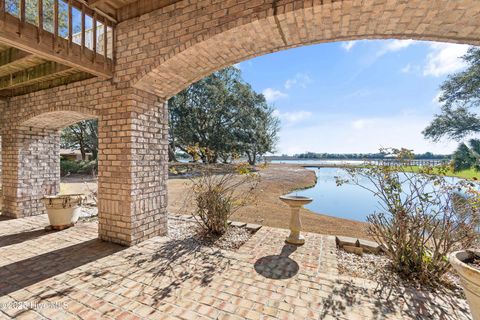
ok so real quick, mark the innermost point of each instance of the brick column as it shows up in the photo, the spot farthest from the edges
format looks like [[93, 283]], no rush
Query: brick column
[[133, 168], [31, 169]]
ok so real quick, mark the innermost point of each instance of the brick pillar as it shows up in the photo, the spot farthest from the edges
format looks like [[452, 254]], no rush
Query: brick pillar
[[133, 168], [31, 169]]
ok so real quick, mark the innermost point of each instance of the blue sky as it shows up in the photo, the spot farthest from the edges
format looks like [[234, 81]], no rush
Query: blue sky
[[355, 96]]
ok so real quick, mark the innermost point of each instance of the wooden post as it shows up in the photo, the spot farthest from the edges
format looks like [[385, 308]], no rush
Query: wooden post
[[40, 21], [105, 43], [70, 27], [55, 22], [114, 36], [22, 17], [94, 37], [82, 51], [2, 8]]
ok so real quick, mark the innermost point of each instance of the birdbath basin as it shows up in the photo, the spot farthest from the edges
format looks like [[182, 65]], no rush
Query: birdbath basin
[[295, 203]]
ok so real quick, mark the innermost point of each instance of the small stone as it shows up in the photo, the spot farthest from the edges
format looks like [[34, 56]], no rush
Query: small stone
[[253, 227], [353, 249], [238, 224]]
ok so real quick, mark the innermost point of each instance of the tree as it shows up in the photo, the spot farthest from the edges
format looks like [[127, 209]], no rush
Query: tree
[[259, 134], [460, 97], [221, 117], [82, 136], [463, 158]]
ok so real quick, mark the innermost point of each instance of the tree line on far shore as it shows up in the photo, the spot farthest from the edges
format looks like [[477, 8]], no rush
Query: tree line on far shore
[[362, 156]]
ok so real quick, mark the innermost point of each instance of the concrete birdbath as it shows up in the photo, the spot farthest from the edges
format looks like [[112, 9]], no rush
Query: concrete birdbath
[[469, 277], [295, 203]]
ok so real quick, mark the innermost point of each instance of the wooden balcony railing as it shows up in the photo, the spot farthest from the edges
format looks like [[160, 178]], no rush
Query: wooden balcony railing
[[67, 31]]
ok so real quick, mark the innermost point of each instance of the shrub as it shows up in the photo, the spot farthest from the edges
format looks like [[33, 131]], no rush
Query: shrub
[[218, 196], [71, 166], [421, 219], [68, 166]]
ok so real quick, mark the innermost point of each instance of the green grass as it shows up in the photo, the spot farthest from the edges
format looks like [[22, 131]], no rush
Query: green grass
[[465, 174]]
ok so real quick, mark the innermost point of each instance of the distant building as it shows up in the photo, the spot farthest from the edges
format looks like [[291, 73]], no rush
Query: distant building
[[74, 155]]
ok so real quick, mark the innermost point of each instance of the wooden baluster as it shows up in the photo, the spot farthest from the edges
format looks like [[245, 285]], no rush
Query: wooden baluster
[[40, 21], [83, 33], [105, 43], [22, 17], [114, 35], [2, 8], [70, 27], [55, 23], [94, 37]]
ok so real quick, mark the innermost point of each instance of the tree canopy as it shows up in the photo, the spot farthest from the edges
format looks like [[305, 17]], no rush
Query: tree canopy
[[460, 98], [459, 118], [220, 118], [81, 136]]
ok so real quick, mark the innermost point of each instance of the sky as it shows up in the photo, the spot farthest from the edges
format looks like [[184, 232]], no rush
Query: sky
[[356, 96]]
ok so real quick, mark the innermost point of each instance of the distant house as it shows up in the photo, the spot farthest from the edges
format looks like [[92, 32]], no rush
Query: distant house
[[73, 155]]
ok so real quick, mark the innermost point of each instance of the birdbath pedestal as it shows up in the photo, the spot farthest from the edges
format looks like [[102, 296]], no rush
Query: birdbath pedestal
[[295, 203]]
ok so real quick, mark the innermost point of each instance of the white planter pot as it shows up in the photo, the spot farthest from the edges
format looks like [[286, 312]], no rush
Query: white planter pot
[[469, 278], [63, 210]]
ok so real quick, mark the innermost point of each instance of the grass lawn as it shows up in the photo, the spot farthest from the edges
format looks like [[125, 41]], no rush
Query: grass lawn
[[465, 174]]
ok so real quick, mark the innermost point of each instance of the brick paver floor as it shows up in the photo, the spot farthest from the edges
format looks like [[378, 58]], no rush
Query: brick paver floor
[[70, 274]]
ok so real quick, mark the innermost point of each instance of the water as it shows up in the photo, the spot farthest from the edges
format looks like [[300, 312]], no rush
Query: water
[[346, 201]]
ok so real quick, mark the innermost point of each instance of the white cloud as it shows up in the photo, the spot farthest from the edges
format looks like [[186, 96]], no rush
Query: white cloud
[[393, 46], [396, 45], [361, 124], [290, 118], [273, 94], [301, 79], [348, 45], [444, 58]]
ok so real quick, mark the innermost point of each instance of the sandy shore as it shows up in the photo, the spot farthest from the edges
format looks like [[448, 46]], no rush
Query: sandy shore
[[276, 179]]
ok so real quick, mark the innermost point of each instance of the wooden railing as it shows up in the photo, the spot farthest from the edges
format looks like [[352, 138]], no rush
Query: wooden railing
[[70, 27]]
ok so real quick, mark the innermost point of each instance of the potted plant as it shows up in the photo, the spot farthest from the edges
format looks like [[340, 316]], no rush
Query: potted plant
[[467, 264], [63, 210]]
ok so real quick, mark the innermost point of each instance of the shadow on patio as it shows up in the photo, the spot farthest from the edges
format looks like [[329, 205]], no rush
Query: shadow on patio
[[279, 266], [10, 239], [178, 264], [24, 273], [389, 299]]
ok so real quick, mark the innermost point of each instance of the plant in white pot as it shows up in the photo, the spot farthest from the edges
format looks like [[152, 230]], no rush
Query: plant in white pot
[[63, 210], [467, 265]]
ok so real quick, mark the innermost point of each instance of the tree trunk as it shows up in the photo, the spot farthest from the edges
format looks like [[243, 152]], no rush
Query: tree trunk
[[94, 154], [82, 151], [171, 154]]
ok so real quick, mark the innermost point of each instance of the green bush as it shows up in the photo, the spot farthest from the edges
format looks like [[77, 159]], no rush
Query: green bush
[[71, 166]]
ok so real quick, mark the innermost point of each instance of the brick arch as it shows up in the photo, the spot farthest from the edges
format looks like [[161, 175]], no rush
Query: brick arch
[[247, 32], [56, 117]]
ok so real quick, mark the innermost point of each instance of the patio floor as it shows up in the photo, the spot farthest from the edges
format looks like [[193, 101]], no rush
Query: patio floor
[[70, 274]]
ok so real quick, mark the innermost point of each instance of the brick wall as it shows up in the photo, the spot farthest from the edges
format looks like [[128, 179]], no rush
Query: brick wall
[[31, 169], [133, 129]]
